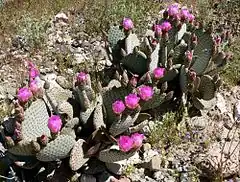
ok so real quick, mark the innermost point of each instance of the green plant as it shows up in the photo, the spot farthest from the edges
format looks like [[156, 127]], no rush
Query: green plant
[[166, 132], [33, 31]]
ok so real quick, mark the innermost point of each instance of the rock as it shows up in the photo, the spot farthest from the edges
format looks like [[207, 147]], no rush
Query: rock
[[87, 178], [148, 155], [199, 123], [115, 168], [137, 175], [146, 147], [105, 177], [61, 17], [119, 166], [221, 103], [154, 164], [237, 111], [230, 156], [79, 58], [62, 81]]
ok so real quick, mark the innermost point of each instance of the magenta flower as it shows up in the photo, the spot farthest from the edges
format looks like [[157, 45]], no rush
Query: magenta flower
[[158, 72], [173, 10], [166, 26], [184, 14], [127, 24], [158, 29], [131, 101], [54, 123], [118, 107], [125, 143], [145, 92], [24, 95], [81, 77], [191, 17], [34, 87], [33, 73], [137, 140], [189, 55]]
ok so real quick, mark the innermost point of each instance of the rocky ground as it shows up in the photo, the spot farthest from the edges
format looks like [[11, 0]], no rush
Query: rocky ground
[[212, 146]]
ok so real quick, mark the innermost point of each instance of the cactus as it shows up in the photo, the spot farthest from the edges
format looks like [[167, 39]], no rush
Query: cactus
[[176, 59]]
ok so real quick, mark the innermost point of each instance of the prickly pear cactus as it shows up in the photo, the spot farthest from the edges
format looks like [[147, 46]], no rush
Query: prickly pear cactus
[[113, 154], [57, 149]]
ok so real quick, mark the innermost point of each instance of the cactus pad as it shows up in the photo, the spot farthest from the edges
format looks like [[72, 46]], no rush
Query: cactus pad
[[207, 88], [202, 52], [77, 158], [35, 122], [56, 149], [114, 35], [123, 124], [131, 42], [113, 154], [136, 62]]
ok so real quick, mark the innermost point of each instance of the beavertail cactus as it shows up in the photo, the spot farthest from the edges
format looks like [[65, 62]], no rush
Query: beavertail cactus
[[118, 107]]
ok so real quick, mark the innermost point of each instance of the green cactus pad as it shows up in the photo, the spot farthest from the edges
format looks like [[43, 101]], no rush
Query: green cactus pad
[[183, 79], [207, 87], [173, 37], [131, 42], [23, 148], [56, 149], [202, 52], [85, 115], [123, 124], [65, 108], [56, 95], [114, 35], [113, 154], [110, 96], [77, 158], [35, 122], [179, 52], [154, 58], [98, 117], [169, 75], [136, 62], [156, 101], [181, 32]]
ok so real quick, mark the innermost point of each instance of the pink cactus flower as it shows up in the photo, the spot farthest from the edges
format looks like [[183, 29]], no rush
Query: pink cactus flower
[[34, 87], [125, 143], [54, 123], [137, 140], [191, 17], [173, 10], [33, 73], [131, 101], [81, 77], [127, 24], [145, 92], [184, 14], [158, 72], [157, 29], [189, 55], [118, 107], [24, 95], [166, 26]]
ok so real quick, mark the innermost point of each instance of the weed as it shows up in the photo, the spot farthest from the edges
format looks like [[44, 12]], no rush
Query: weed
[[166, 133]]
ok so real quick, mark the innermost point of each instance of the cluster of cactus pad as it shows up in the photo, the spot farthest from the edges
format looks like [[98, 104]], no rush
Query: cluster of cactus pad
[[176, 50]]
